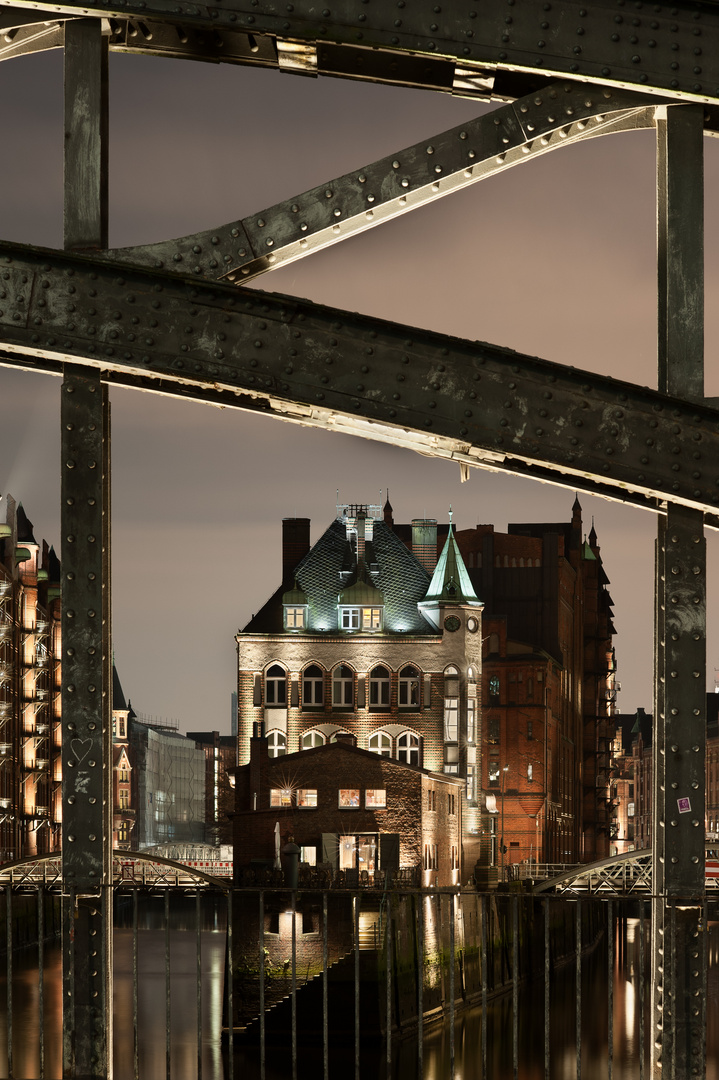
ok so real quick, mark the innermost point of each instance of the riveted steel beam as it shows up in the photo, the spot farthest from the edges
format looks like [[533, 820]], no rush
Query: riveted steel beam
[[86, 619], [475, 48], [678, 971], [476, 403], [554, 117]]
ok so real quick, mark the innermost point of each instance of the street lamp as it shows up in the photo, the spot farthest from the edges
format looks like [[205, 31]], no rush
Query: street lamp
[[505, 770]]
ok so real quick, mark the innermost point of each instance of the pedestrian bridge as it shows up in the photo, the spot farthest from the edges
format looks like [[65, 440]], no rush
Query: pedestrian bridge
[[129, 869], [620, 875]]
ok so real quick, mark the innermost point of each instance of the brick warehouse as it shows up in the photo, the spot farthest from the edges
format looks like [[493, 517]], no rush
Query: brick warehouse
[[390, 816], [368, 638], [538, 758], [548, 688]]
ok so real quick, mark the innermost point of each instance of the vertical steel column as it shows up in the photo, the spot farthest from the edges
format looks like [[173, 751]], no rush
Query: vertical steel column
[[678, 989], [86, 619]]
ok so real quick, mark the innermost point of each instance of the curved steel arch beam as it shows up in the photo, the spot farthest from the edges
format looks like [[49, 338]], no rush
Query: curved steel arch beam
[[331, 212], [481, 47], [442, 396]]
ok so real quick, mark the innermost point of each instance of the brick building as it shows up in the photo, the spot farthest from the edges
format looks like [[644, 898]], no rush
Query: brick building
[[352, 810], [633, 773], [548, 688], [368, 637], [30, 708]]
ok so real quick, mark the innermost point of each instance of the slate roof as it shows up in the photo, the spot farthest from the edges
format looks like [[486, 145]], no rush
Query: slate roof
[[322, 576]]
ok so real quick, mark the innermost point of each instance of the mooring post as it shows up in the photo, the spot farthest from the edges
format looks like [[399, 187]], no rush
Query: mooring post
[[86, 617], [678, 980]]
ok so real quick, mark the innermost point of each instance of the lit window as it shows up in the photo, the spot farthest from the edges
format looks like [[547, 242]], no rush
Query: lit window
[[375, 798], [630, 809], [530, 770], [409, 688], [379, 688], [276, 686], [380, 743], [295, 618], [471, 784], [313, 686], [493, 729], [408, 748], [308, 855], [124, 776], [471, 720], [349, 798], [307, 797], [494, 688], [276, 743], [494, 774], [350, 618], [124, 800], [280, 797], [451, 719], [372, 618], [312, 738], [342, 687]]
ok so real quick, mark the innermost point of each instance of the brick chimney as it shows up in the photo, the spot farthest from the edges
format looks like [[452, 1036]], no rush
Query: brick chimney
[[295, 545]]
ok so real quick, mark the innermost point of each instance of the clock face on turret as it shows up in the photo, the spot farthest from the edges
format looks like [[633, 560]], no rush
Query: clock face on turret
[[452, 623], [472, 625]]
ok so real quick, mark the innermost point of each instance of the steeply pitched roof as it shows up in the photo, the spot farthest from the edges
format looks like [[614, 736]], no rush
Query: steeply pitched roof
[[450, 581], [118, 698], [323, 575]]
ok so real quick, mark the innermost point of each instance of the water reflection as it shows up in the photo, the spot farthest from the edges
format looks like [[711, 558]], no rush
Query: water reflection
[[151, 1042]]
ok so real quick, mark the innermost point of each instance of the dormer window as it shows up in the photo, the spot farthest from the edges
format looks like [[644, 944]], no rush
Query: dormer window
[[295, 606], [295, 617], [368, 619]]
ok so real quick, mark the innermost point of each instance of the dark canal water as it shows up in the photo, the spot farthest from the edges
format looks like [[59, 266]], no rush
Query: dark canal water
[[436, 1044]]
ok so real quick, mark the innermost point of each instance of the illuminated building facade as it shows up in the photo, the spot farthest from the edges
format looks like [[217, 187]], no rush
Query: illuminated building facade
[[123, 810], [30, 651], [368, 638], [365, 817]]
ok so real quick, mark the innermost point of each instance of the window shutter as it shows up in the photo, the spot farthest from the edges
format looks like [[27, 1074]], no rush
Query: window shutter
[[361, 692], [427, 695], [257, 692]]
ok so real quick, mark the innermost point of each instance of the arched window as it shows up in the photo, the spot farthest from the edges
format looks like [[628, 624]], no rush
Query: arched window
[[380, 743], [276, 686], [408, 748], [409, 688], [494, 689], [276, 743], [312, 738], [313, 687], [379, 688], [342, 687]]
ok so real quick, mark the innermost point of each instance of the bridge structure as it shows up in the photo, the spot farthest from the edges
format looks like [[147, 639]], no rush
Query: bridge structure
[[179, 318], [129, 868], [627, 874]]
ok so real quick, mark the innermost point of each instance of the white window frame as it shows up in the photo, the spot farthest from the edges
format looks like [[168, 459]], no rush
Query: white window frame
[[310, 739], [349, 618], [409, 747], [380, 743], [276, 743], [372, 619], [276, 687], [380, 686], [311, 684], [342, 687], [295, 617], [451, 719], [406, 682]]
